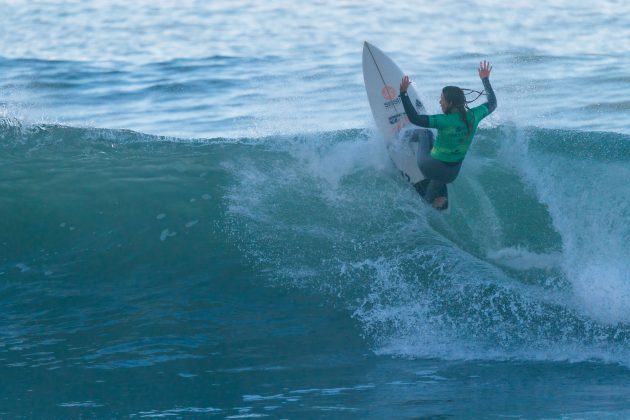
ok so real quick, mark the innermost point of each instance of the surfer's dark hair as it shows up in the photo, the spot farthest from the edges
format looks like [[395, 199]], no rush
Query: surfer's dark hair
[[457, 102]]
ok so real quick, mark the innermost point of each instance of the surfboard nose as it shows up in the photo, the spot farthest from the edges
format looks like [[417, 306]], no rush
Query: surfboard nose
[[367, 47]]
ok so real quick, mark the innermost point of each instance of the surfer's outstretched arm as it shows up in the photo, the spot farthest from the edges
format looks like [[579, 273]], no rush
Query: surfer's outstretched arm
[[484, 73], [412, 114]]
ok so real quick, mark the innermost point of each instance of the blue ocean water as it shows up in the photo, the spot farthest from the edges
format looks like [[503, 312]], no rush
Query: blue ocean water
[[199, 219]]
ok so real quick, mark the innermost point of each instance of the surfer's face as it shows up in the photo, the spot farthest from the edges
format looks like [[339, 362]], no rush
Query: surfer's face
[[444, 103]]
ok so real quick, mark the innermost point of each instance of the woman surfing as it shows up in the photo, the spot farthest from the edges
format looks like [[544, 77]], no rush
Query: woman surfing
[[441, 160]]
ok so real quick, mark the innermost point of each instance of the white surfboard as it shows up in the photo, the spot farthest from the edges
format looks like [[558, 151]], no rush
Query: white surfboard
[[382, 80]]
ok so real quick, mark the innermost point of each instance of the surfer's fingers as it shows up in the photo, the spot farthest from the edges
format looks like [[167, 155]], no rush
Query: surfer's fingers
[[485, 66]]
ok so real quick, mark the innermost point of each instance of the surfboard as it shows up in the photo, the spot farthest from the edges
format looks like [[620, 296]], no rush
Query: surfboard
[[382, 80]]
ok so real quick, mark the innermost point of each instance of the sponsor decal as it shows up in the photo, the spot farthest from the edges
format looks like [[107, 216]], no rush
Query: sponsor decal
[[395, 118], [419, 104], [389, 93], [392, 103]]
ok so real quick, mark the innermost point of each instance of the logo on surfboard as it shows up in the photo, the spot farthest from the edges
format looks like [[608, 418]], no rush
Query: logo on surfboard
[[389, 93], [391, 103]]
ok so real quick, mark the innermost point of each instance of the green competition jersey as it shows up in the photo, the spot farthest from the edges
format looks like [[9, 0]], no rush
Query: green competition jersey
[[453, 139]]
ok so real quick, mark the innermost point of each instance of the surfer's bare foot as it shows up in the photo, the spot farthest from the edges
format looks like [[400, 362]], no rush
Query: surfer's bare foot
[[439, 202]]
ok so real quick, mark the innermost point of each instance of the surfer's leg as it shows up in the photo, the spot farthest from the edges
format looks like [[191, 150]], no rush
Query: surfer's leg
[[440, 171], [425, 144], [440, 174], [434, 193]]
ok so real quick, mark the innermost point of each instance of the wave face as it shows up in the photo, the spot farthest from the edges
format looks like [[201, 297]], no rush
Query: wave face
[[530, 264]]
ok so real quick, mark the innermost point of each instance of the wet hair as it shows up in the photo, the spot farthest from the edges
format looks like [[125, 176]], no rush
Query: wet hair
[[457, 102]]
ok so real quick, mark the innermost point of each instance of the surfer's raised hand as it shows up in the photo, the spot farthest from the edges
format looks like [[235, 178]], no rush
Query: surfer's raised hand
[[404, 84], [484, 69]]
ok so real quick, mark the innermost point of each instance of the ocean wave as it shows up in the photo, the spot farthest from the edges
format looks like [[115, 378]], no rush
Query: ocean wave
[[528, 264]]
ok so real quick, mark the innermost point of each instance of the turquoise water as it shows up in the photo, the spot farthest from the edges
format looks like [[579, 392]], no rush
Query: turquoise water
[[199, 219]]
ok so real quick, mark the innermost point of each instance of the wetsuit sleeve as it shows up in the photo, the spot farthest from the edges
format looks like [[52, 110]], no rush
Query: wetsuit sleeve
[[492, 99], [412, 114]]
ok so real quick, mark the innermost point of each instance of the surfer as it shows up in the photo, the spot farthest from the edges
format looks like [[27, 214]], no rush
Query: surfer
[[440, 161]]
